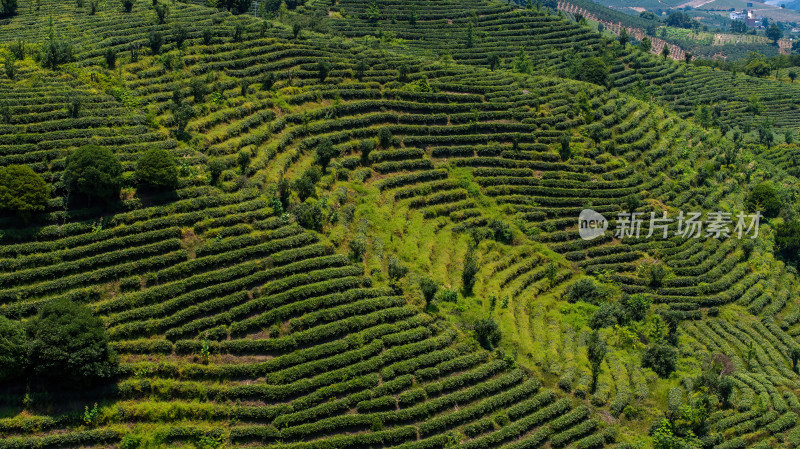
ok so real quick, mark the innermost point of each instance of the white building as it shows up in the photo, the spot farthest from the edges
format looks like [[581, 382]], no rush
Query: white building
[[738, 15]]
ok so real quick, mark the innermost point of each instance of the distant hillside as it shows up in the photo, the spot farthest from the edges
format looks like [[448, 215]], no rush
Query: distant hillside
[[554, 45]]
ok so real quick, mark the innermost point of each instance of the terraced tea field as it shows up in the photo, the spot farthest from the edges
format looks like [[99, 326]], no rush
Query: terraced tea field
[[539, 41], [239, 321]]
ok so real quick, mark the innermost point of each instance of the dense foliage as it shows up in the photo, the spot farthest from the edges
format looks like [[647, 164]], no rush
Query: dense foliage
[[93, 172], [22, 191], [68, 346], [157, 168]]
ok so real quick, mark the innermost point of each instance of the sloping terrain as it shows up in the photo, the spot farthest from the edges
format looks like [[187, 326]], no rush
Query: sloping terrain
[[553, 45], [237, 326]]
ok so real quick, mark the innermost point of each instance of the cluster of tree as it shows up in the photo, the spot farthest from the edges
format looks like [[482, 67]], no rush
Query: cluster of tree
[[308, 212], [94, 173], [758, 65], [787, 241], [8, 8], [630, 312], [680, 19], [55, 52], [774, 32], [182, 112], [686, 420], [589, 291], [738, 26], [270, 8], [235, 6], [65, 345]]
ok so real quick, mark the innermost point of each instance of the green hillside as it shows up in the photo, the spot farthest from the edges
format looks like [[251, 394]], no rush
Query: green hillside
[[275, 299], [539, 41]]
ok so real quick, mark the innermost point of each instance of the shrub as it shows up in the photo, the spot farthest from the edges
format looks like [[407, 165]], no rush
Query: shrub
[[594, 70], [366, 146], [358, 247], [238, 32], [74, 107], [215, 169], [17, 49], [429, 288], [180, 35], [757, 68], [565, 152], [586, 290], [385, 137], [56, 51], [501, 232], [656, 275], [361, 69], [308, 216], [661, 359], [323, 69], [111, 58], [67, 345], [304, 186], [396, 270], [12, 349], [198, 90], [447, 295], [243, 160], [181, 114], [157, 168], [488, 333], [325, 152], [127, 5], [267, 81], [155, 40], [596, 352], [637, 306], [608, 315], [725, 389], [22, 191], [162, 11], [94, 172], [470, 270], [10, 67]]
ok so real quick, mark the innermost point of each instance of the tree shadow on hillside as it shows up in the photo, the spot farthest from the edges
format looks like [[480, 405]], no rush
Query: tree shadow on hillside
[[62, 402]]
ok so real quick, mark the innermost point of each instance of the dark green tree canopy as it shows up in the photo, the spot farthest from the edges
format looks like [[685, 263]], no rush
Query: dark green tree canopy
[[764, 198], [94, 172], [661, 359], [157, 168], [774, 32], [22, 191], [488, 333], [8, 8], [325, 152], [593, 70], [757, 67], [68, 345], [12, 349]]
